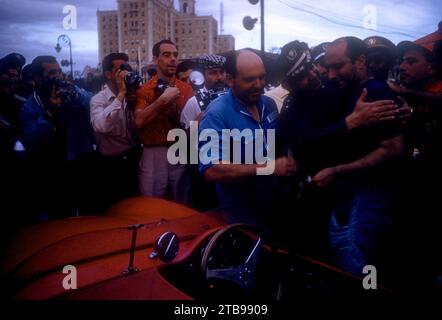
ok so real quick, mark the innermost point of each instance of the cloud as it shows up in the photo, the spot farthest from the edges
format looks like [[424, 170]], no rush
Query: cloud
[[31, 27]]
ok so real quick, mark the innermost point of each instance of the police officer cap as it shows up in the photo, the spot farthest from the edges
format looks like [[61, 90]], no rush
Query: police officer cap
[[380, 43], [319, 51], [295, 57]]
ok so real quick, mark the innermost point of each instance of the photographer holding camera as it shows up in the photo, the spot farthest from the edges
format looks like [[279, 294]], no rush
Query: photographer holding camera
[[112, 121], [53, 118], [58, 139], [214, 85], [159, 103]]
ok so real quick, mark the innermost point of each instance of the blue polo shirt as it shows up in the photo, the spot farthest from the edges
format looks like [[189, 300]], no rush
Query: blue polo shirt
[[226, 112]]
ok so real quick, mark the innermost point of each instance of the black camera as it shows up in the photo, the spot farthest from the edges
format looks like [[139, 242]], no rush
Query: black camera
[[203, 96], [68, 93], [133, 81], [162, 85]]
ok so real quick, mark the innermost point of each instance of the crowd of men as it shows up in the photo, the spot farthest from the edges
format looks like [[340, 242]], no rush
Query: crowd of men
[[356, 154]]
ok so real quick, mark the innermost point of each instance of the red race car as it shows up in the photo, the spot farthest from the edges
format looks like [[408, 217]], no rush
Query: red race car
[[153, 249]]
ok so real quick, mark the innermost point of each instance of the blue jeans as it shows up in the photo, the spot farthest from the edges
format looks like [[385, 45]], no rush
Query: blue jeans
[[357, 239]]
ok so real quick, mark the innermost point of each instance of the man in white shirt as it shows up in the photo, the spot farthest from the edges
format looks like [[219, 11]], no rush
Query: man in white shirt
[[215, 80], [278, 94], [113, 124]]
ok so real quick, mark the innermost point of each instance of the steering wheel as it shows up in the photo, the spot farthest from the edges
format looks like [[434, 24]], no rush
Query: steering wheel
[[233, 254]]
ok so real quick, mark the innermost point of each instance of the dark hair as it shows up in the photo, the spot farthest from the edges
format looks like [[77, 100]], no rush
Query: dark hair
[[156, 47], [107, 61], [37, 64], [355, 47], [184, 66]]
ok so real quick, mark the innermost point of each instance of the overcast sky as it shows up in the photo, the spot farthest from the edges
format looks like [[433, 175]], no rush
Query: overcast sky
[[31, 27]]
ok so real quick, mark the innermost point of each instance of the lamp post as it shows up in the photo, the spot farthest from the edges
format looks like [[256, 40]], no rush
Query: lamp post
[[62, 41], [249, 23]]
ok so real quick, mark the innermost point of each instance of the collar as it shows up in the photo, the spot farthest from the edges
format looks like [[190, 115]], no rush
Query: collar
[[283, 91], [38, 100], [108, 94], [241, 108]]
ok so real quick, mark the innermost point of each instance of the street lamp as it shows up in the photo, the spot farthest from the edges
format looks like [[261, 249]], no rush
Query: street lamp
[[62, 41], [249, 23]]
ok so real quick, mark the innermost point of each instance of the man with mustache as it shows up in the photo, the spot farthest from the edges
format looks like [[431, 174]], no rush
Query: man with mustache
[[422, 87], [248, 196], [157, 111]]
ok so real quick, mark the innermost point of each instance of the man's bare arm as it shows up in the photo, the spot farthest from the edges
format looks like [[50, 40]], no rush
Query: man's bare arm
[[148, 114], [388, 150], [433, 99], [229, 172]]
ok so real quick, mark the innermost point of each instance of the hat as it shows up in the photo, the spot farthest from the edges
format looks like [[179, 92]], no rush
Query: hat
[[211, 61], [412, 46], [12, 61], [294, 58], [319, 51], [380, 43]]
